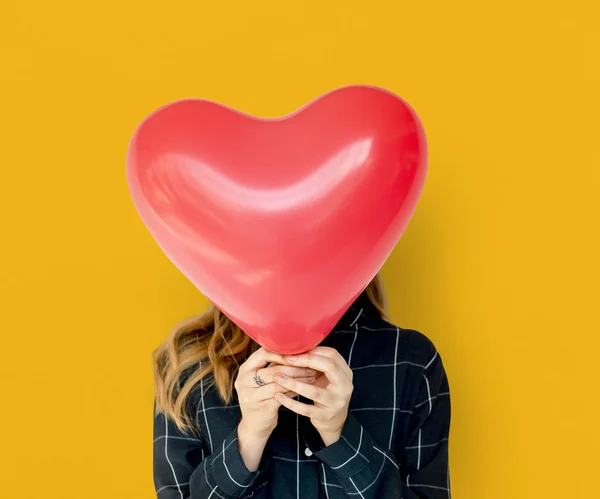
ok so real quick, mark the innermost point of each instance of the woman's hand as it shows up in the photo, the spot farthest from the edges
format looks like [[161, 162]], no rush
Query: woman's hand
[[255, 386], [330, 393], [256, 389]]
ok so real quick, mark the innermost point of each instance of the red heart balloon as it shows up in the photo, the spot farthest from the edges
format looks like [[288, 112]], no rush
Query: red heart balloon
[[283, 222]]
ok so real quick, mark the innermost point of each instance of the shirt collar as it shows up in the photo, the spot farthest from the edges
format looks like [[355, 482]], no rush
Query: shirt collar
[[361, 309]]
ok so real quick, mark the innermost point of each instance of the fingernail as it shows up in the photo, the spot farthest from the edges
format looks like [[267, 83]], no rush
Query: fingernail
[[311, 372], [292, 358], [281, 378], [311, 379]]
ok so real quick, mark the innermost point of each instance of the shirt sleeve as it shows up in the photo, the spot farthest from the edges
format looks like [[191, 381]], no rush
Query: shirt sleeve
[[367, 470], [184, 469]]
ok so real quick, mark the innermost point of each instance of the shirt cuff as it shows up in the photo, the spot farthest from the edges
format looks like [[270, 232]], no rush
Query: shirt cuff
[[351, 453], [228, 470]]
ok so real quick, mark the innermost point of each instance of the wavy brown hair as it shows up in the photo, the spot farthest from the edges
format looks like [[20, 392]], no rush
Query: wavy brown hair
[[209, 347]]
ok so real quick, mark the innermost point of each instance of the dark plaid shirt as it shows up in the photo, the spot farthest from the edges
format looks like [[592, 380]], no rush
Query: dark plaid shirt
[[394, 443]]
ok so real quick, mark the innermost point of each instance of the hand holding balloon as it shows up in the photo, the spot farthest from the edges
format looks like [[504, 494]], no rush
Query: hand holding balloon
[[256, 388], [331, 392]]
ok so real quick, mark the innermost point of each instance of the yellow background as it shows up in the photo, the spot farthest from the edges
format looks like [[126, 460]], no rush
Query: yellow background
[[499, 266]]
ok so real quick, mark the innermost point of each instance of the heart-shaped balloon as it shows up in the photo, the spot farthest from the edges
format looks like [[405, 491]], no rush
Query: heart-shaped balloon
[[282, 222]]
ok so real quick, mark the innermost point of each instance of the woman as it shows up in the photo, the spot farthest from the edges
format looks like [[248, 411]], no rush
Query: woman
[[366, 414]]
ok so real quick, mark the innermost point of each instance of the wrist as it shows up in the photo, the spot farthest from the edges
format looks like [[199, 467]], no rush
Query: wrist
[[330, 438], [251, 446], [248, 435]]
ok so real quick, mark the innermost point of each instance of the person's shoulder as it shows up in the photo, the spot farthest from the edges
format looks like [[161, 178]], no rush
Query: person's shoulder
[[410, 344]]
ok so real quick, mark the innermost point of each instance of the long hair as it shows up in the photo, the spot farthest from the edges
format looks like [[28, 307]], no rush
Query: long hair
[[209, 347]]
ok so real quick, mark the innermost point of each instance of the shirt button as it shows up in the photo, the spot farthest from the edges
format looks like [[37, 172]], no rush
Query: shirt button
[[308, 452]]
